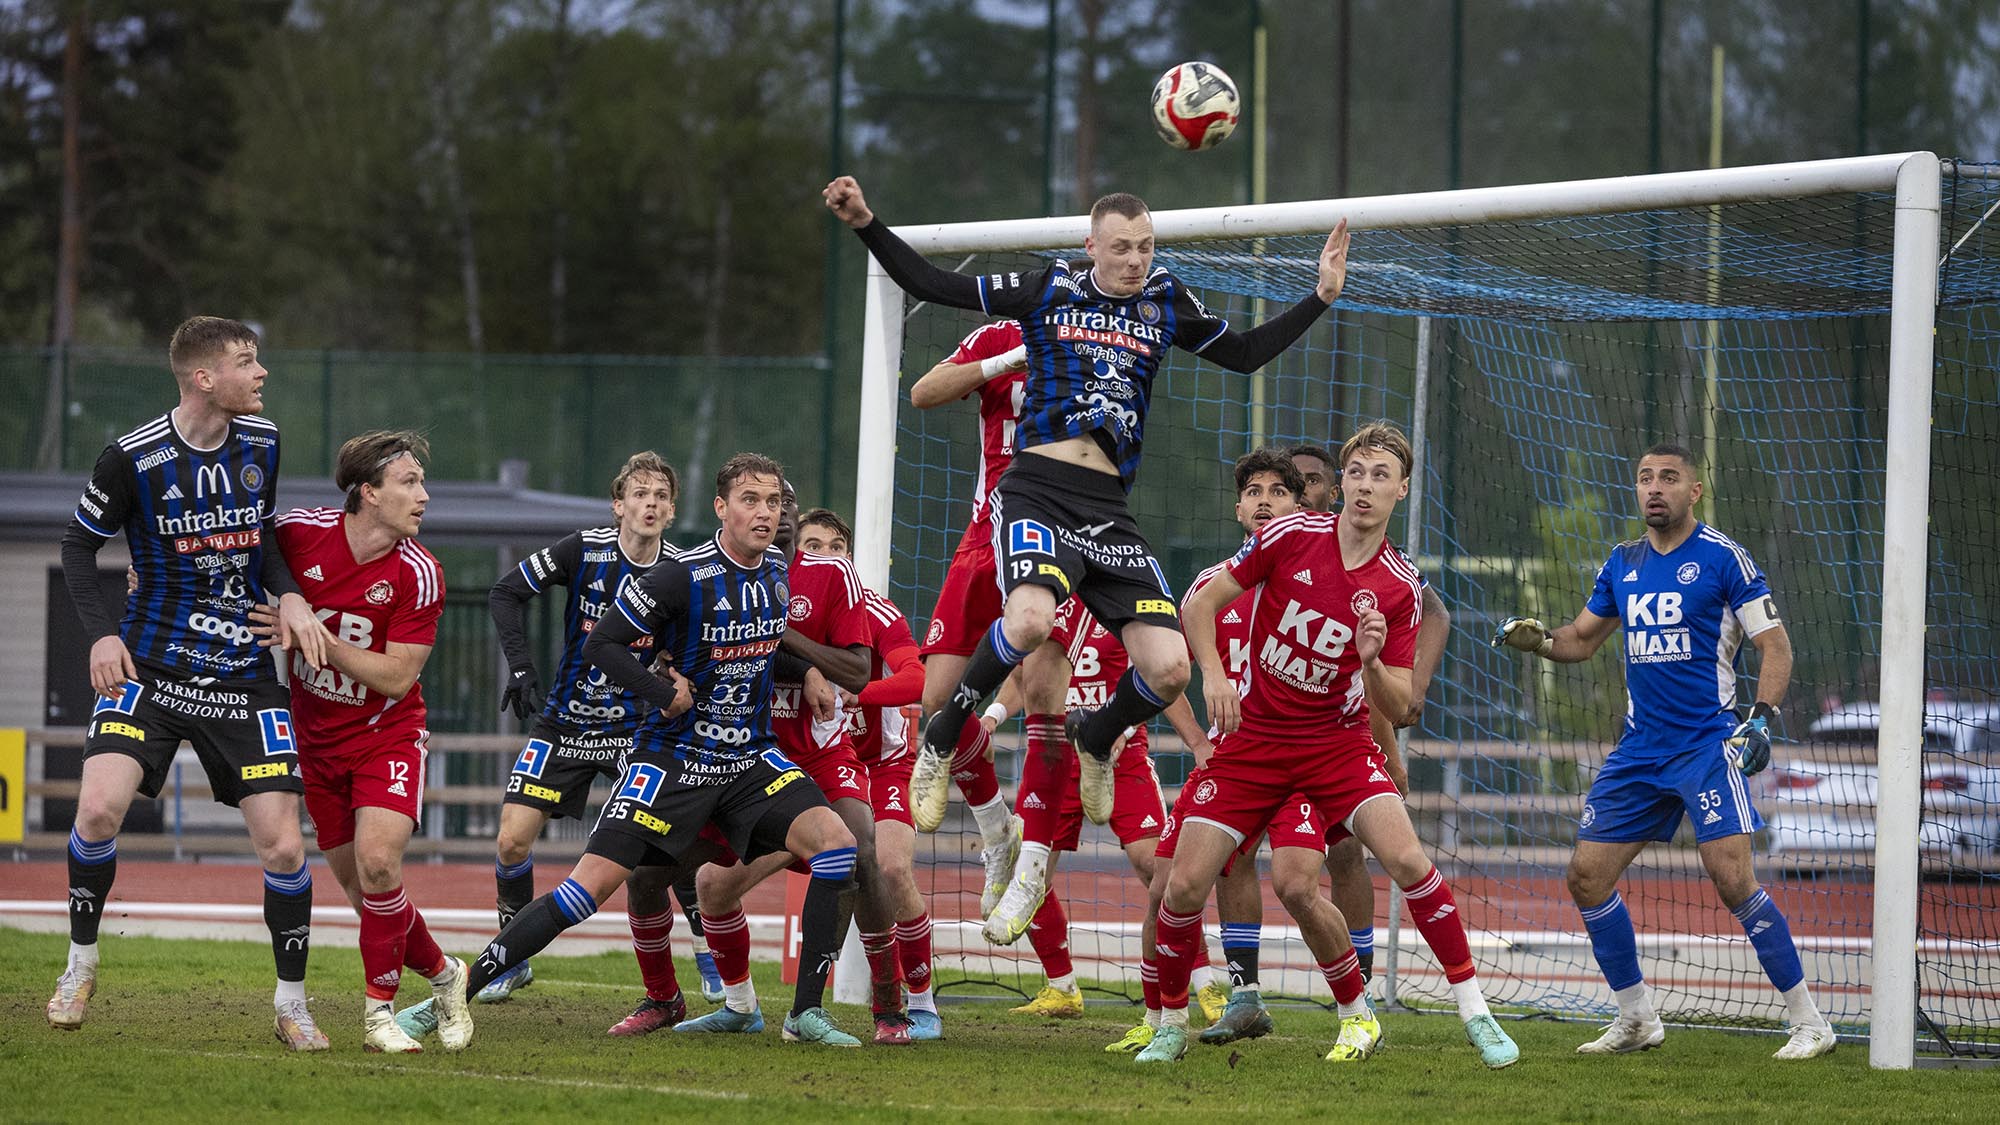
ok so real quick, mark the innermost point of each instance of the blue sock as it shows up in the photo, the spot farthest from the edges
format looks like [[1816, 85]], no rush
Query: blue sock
[[1364, 949], [1772, 938], [1613, 942], [573, 901]]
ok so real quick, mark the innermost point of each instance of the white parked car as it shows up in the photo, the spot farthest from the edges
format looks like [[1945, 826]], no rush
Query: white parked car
[[1820, 796]]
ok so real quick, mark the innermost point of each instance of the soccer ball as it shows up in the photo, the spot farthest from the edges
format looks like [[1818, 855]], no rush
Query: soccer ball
[[1195, 105]]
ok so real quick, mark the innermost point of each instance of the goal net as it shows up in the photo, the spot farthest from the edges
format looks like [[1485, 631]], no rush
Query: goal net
[[1533, 341]]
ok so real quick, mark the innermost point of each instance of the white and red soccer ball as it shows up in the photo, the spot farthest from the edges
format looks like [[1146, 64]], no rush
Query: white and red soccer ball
[[1195, 105]]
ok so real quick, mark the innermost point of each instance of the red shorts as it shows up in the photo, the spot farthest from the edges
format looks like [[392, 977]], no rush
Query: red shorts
[[1137, 811], [836, 769], [889, 788], [1250, 783], [969, 602], [387, 775]]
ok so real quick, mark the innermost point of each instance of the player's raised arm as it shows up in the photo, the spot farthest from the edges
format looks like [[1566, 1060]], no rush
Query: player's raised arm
[[1001, 295], [1568, 644], [949, 382], [1210, 337]]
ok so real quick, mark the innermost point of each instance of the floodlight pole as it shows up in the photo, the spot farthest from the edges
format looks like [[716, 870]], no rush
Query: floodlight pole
[[1905, 557]]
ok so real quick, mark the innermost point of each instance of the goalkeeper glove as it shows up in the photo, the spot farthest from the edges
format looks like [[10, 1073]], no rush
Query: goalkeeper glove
[[1012, 359], [524, 693], [1526, 634], [1749, 745]]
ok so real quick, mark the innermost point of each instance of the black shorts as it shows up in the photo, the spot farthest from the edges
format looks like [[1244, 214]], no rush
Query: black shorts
[[1068, 529], [657, 813], [555, 769], [240, 729]]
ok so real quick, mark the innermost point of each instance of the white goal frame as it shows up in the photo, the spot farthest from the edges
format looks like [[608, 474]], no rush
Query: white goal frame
[[1913, 177]]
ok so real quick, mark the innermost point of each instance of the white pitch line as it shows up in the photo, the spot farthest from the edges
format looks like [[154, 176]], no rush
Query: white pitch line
[[536, 1080]]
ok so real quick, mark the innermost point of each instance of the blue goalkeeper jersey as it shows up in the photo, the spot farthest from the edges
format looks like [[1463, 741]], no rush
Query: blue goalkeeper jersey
[[718, 624], [195, 521], [1685, 615], [1092, 358]]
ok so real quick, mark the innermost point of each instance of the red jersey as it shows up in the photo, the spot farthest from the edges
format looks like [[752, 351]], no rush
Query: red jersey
[[1096, 662], [1304, 678], [1000, 401], [395, 599], [827, 608], [879, 730]]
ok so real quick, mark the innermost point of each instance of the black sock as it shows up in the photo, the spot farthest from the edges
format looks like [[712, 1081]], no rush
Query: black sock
[[516, 885], [1132, 704], [684, 894], [92, 866], [820, 933], [1367, 964], [288, 907], [530, 932], [989, 667], [1242, 965]]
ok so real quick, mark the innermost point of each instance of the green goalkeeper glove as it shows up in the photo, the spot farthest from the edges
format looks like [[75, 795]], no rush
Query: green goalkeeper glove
[[1526, 634]]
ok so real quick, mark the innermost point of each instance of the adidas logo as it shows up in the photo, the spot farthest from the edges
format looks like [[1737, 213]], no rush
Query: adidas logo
[[173, 492], [1713, 817], [894, 805], [722, 602], [1759, 928], [1631, 576], [1378, 775], [1442, 912], [1305, 829], [398, 790], [389, 979], [1149, 822], [313, 572], [1305, 576], [597, 585], [1232, 618], [1033, 801]]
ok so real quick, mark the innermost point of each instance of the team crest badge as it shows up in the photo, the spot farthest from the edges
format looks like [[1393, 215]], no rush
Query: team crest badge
[[1364, 600], [381, 593], [253, 477], [801, 608], [1688, 573], [1589, 816], [1205, 792], [1148, 312], [936, 631]]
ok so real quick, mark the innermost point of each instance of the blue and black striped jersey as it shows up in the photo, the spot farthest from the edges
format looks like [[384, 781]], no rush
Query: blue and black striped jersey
[[195, 522], [595, 570], [718, 624]]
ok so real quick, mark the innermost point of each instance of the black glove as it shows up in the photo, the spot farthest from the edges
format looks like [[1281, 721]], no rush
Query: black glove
[[524, 693]]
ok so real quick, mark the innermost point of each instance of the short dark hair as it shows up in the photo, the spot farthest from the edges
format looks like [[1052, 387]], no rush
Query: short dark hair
[[200, 339], [1269, 460], [746, 465], [1670, 449], [1307, 449], [646, 462], [1118, 203], [1380, 434], [364, 458], [825, 517]]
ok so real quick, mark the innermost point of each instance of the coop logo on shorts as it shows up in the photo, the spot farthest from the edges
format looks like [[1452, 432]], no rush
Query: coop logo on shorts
[[1030, 537], [1688, 573], [1364, 601], [1205, 792], [275, 725], [800, 609], [380, 593], [936, 631], [1148, 312], [253, 476], [1589, 816]]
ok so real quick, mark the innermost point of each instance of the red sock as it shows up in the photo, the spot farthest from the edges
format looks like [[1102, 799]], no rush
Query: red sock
[[913, 950], [1045, 778], [650, 945], [1344, 977], [1149, 979], [1178, 945], [420, 950], [880, 949], [729, 940], [1436, 914], [384, 932], [1048, 932], [969, 767]]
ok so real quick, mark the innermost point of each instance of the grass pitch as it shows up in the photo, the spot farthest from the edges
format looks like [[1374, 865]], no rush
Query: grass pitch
[[180, 1031]]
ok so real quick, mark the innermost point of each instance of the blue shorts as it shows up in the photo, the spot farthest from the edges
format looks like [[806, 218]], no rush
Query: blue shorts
[[1642, 798]]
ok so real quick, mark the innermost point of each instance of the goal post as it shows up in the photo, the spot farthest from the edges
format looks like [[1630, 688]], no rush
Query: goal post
[[1454, 285]]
